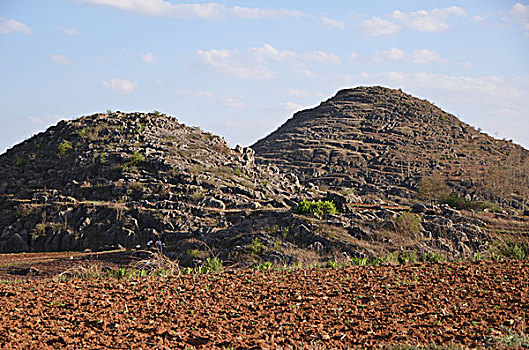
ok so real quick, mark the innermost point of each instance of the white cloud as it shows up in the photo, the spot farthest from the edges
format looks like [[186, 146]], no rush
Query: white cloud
[[230, 102], [46, 119], [354, 56], [148, 57], [302, 93], [428, 21], [231, 63], [377, 26], [70, 31], [255, 63], [257, 13], [206, 94], [519, 14], [331, 22], [210, 10], [292, 106], [270, 52], [393, 54], [120, 85], [426, 56], [422, 56], [187, 93], [60, 59], [10, 26]]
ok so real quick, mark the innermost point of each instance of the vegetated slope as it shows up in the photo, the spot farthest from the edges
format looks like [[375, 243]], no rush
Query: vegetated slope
[[382, 142], [110, 180]]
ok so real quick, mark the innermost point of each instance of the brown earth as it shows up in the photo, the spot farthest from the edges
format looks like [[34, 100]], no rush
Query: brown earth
[[461, 305]]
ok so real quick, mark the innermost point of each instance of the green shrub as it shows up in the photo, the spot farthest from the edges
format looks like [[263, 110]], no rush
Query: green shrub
[[319, 208], [134, 160], [455, 201], [64, 147], [256, 247]]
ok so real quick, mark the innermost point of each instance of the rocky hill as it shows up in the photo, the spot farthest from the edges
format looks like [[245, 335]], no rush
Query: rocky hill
[[116, 180], [381, 142], [111, 180]]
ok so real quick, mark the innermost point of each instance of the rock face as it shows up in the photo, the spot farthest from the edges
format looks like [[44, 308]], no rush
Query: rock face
[[110, 180], [381, 142]]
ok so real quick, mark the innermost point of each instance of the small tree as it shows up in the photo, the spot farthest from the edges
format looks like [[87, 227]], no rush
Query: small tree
[[433, 187]]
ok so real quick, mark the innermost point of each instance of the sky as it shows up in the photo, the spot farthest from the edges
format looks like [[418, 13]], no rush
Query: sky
[[241, 69]]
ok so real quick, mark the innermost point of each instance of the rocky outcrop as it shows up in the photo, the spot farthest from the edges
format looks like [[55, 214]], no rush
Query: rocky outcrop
[[111, 180], [380, 142]]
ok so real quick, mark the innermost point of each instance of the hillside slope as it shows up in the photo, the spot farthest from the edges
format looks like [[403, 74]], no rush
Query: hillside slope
[[111, 180], [382, 142]]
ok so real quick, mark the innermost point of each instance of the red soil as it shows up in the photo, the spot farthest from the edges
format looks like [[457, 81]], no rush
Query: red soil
[[463, 304]]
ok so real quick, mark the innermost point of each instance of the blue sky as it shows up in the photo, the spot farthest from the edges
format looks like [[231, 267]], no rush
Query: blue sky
[[240, 69]]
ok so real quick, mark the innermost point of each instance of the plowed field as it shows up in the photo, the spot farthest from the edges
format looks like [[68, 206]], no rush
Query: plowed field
[[482, 304]]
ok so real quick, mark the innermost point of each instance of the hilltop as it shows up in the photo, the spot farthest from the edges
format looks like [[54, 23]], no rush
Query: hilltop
[[381, 142]]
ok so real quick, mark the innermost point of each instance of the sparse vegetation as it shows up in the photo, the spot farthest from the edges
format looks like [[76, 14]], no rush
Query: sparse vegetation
[[64, 147], [256, 247], [210, 265], [135, 159], [319, 208], [513, 250]]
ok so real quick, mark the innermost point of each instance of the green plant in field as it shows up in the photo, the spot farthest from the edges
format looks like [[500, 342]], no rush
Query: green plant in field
[[103, 157], [478, 256], [109, 111], [82, 133], [64, 147], [142, 128], [156, 113], [331, 264], [263, 267], [407, 256], [18, 162], [318, 208], [431, 257], [210, 265], [359, 261]]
